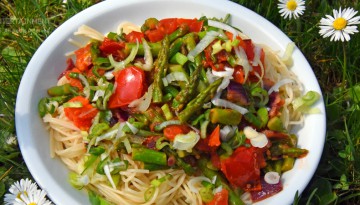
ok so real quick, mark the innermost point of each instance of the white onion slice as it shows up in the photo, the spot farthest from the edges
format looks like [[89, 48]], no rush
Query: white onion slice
[[174, 76], [195, 182], [246, 198], [121, 64], [257, 53], [208, 38], [279, 84], [227, 104], [133, 129], [223, 26], [108, 176], [227, 73], [287, 57], [147, 57], [272, 177], [218, 189], [242, 60], [186, 141], [143, 103], [98, 93], [250, 133], [260, 141]]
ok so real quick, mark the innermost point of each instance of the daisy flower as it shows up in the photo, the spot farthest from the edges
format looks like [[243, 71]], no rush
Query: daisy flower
[[339, 26], [291, 8], [25, 192]]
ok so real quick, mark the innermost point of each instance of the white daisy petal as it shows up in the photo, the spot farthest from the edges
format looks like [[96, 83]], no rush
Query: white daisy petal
[[340, 25], [291, 8]]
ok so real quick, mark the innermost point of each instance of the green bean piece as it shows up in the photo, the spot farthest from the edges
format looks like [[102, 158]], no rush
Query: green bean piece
[[160, 71], [234, 198], [60, 90], [277, 166], [149, 156], [288, 164], [42, 108], [225, 116], [197, 103]]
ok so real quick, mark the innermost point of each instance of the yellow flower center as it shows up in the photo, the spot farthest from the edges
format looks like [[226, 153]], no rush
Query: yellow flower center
[[339, 23], [291, 5], [32, 203]]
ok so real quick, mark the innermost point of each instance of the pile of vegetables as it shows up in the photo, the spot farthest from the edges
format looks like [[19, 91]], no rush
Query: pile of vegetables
[[183, 93]]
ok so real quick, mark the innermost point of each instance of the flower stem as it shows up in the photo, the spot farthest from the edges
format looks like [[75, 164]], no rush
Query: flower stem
[[344, 66]]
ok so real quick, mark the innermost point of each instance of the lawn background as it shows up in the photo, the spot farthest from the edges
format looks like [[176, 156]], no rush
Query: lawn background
[[25, 24]]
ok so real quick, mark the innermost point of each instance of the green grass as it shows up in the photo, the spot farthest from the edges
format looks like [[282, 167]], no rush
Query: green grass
[[25, 24]]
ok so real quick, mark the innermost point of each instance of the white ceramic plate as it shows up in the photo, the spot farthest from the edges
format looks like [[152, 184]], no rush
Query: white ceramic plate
[[49, 61]]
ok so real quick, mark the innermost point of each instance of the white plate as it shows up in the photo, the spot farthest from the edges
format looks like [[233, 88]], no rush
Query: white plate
[[49, 61]]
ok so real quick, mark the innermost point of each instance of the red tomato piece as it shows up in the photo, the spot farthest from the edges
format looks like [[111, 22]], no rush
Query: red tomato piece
[[73, 81], [129, 86], [194, 24], [171, 131], [83, 116], [154, 35], [214, 138], [83, 58], [112, 47], [239, 74], [242, 168], [134, 36], [220, 198], [168, 25]]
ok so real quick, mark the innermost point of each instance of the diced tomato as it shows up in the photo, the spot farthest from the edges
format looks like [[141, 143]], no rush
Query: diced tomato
[[168, 25], [194, 24], [215, 160], [172, 130], [257, 69], [74, 81], [134, 36], [220, 198], [83, 116], [266, 191], [248, 47], [154, 35], [214, 138], [112, 47], [242, 168], [239, 74], [129, 86], [83, 58]]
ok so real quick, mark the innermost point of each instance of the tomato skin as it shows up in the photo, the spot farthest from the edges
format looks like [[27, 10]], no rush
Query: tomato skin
[[220, 198], [83, 116], [74, 81], [171, 131], [194, 24], [111, 47], [130, 83], [239, 74], [242, 168], [83, 58], [134, 36]]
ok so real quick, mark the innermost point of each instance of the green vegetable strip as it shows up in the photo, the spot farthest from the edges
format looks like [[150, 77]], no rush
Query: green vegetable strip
[[225, 116], [234, 199], [175, 46], [160, 71], [149, 156], [60, 90], [197, 103]]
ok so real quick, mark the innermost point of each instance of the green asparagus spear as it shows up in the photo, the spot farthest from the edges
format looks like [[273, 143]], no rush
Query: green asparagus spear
[[189, 170], [197, 103], [181, 31], [160, 70]]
